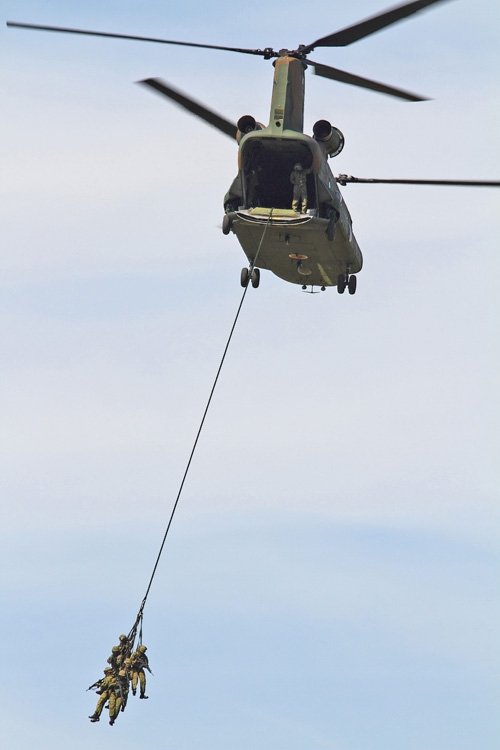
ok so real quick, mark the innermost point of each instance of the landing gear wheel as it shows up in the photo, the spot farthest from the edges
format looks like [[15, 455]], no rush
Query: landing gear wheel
[[352, 284], [341, 284], [226, 224], [245, 277], [255, 278]]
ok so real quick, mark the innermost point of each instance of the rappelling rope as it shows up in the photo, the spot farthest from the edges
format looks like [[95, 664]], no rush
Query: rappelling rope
[[138, 621]]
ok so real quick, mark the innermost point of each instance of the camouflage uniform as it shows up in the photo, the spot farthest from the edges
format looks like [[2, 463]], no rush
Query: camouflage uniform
[[127, 666], [298, 178], [122, 652], [118, 695], [115, 659], [124, 646], [106, 688], [139, 664]]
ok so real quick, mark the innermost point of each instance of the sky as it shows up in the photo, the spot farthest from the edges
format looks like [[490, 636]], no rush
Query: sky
[[331, 577]]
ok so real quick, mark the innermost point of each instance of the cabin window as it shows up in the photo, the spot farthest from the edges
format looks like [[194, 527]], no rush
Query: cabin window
[[267, 164]]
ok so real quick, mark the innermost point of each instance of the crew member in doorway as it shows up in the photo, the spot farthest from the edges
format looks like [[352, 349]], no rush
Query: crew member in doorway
[[298, 178]]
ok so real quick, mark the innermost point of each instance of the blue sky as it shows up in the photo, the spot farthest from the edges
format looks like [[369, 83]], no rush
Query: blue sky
[[331, 577]]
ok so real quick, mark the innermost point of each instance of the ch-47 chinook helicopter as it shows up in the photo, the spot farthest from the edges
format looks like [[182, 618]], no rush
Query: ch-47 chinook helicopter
[[304, 237]]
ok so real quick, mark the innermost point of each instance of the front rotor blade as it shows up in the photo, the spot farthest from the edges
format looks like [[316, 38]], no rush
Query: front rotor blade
[[340, 75], [227, 127], [370, 25], [135, 38], [344, 179]]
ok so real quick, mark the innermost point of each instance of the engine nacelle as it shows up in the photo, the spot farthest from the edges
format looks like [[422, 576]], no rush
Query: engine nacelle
[[330, 138], [247, 124]]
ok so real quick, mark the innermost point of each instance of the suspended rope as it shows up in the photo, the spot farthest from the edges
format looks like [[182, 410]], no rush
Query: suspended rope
[[127, 665], [252, 266]]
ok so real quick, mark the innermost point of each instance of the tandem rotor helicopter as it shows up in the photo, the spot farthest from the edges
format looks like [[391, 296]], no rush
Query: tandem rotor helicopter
[[284, 205]]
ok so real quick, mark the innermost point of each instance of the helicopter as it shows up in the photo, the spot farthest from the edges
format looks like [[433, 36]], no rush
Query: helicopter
[[284, 205]]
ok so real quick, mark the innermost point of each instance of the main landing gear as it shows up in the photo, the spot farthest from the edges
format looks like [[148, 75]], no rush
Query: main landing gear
[[346, 280], [246, 276]]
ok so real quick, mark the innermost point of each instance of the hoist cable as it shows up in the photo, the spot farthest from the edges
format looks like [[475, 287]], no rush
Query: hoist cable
[[251, 269]]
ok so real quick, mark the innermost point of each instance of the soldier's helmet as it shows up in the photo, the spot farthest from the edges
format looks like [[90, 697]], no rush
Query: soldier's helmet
[[115, 649], [127, 662], [123, 638], [122, 673], [298, 166], [108, 669], [142, 649]]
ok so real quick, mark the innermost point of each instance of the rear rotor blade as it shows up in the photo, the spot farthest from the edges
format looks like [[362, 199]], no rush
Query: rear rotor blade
[[344, 179], [369, 26], [225, 126], [64, 30], [340, 75]]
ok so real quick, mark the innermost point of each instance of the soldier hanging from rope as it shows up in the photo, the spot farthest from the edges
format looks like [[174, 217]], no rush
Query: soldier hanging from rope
[[105, 688], [119, 653], [127, 667], [118, 696], [115, 659], [124, 647], [139, 664]]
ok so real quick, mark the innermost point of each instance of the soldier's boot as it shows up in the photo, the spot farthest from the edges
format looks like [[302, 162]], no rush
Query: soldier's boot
[[295, 206], [304, 206], [134, 692], [94, 717], [145, 697], [111, 722]]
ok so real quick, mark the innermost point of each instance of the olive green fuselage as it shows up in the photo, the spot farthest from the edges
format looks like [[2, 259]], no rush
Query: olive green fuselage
[[262, 194]]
